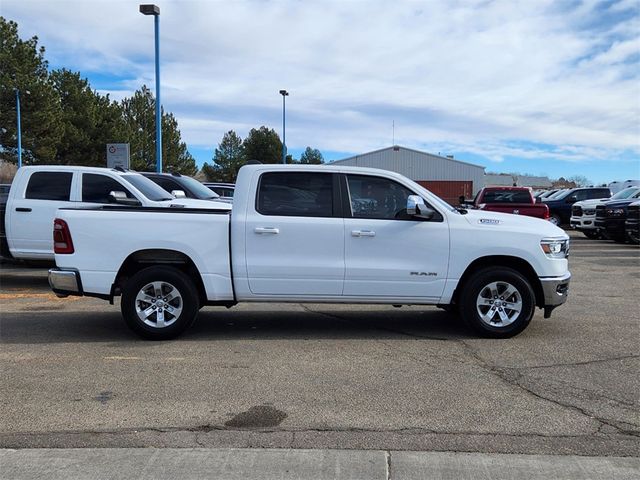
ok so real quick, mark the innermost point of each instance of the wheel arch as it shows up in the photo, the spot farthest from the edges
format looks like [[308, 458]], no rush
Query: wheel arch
[[152, 257], [518, 264]]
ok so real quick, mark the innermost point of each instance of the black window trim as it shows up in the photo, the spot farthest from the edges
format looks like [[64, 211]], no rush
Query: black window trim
[[336, 195], [346, 201]]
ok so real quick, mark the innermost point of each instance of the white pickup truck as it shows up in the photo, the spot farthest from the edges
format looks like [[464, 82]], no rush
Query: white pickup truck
[[38, 191], [313, 234]]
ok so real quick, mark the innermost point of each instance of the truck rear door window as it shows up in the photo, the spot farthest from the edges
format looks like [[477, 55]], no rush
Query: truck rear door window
[[49, 186], [296, 194]]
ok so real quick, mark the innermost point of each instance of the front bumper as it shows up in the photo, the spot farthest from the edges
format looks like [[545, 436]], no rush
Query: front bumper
[[583, 223], [556, 291], [65, 282]]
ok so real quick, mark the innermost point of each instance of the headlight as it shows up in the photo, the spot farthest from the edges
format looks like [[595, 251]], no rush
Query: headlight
[[555, 248], [615, 212]]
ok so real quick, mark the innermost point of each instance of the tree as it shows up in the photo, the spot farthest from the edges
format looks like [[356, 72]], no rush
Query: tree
[[23, 67], [89, 121], [311, 156], [227, 159], [580, 180], [263, 145], [139, 122]]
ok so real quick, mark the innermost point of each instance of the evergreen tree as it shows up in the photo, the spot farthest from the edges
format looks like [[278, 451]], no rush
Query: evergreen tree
[[139, 118], [23, 67], [227, 159], [263, 145], [311, 156], [89, 120]]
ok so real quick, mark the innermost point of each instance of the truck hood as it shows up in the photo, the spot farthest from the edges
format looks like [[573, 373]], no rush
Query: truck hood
[[509, 222], [590, 203]]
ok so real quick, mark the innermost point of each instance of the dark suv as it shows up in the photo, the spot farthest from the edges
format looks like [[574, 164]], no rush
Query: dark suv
[[176, 183], [611, 218], [560, 206]]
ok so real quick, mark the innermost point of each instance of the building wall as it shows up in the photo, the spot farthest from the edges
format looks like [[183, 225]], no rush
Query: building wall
[[423, 167]]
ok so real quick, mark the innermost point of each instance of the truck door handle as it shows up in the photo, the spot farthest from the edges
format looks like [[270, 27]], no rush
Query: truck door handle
[[261, 230], [362, 233], [22, 209]]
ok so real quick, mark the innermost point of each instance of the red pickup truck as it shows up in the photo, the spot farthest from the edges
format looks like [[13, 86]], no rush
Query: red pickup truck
[[516, 200]]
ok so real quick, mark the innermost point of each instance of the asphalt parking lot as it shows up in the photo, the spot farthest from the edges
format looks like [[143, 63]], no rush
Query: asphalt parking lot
[[329, 376]]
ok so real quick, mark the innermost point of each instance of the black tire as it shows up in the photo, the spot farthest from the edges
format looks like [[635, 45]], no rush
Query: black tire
[[592, 234], [555, 219], [475, 289], [633, 238], [168, 281]]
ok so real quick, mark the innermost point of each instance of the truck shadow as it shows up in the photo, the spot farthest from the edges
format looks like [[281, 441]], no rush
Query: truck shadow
[[222, 324]]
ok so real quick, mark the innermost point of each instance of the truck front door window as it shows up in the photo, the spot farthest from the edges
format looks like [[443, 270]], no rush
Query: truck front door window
[[374, 197], [96, 188]]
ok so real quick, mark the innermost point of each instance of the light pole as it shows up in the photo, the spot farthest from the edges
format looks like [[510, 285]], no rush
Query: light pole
[[19, 125], [150, 9], [284, 94]]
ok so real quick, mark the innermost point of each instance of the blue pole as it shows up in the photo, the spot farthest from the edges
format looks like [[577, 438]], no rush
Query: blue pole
[[158, 112], [19, 129], [284, 135]]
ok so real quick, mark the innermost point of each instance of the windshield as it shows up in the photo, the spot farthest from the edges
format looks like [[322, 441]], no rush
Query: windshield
[[147, 187], [198, 189], [626, 193], [560, 194]]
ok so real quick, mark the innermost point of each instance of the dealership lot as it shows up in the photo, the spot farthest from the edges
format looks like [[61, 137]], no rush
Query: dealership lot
[[329, 376]]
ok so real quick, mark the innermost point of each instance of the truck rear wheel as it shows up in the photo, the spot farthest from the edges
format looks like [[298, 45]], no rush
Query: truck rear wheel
[[159, 303], [497, 302]]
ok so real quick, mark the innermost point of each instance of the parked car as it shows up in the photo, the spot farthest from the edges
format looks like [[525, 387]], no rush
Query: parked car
[[560, 204], [617, 186], [38, 191], [632, 223], [183, 186], [4, 192], [225, 190], [583, 214], [611, 218], [516, 200], [296, 235]]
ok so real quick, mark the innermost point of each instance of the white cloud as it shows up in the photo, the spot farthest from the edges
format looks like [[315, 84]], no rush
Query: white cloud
[[474, 75]]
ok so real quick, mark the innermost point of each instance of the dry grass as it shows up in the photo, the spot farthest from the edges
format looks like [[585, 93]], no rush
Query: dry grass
[[7, 171]]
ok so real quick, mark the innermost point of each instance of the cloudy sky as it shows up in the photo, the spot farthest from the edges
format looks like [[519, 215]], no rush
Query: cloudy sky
[[541, 86]]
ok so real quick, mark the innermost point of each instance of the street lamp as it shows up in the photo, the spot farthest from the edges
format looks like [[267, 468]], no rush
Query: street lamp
[[284, 94], [150, 9], [19, 125]]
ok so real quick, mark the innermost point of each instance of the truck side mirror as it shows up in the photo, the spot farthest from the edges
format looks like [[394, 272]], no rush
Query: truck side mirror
[[462, 200], [572, 199], [122, 199], [178, 193], [417, 208]]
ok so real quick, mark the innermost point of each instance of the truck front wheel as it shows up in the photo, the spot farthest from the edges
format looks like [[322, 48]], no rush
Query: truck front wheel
[[159, 303], [497, 302]]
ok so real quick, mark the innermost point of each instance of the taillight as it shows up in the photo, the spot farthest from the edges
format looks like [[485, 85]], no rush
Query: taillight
[[62, 242], [546, 212]]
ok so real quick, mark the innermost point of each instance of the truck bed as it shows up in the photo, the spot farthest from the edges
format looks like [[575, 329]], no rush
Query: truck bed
[[202, 235]]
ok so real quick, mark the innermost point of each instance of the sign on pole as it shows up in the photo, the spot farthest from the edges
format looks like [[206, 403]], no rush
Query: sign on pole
[[118, 155]]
